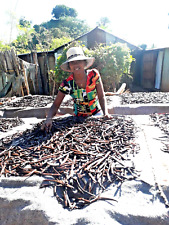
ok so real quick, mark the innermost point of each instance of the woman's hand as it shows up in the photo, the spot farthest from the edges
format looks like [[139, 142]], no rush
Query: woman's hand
[[47, 125], [108, 116]]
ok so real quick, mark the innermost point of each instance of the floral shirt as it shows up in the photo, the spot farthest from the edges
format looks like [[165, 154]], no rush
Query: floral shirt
[[85, 101]]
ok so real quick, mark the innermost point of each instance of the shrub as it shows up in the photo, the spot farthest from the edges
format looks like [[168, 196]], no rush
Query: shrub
[[113, 62]]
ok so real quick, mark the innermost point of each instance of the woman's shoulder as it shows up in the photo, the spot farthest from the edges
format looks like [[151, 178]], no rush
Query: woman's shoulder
[[70, 77], [93, 71]]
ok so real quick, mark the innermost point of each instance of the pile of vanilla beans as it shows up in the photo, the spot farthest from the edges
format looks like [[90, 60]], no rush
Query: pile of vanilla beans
[[79, 158], [162, 121], [28, 101], [8, 123], [145, 97]]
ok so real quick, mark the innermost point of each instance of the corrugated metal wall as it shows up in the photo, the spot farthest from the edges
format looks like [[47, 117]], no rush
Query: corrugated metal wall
[[165, 72]]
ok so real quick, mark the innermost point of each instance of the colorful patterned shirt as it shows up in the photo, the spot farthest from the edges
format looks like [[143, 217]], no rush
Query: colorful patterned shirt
[[85, 101]]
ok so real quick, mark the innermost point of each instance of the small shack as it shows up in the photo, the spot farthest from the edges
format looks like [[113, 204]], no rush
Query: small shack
[[154, 69]]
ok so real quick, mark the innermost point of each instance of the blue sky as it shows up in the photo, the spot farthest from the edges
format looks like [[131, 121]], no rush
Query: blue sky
[[139, 22]]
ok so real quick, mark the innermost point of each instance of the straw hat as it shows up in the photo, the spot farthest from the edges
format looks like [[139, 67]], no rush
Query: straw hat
[[73, 54]]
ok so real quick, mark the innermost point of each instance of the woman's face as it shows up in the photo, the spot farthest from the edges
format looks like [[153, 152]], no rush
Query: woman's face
[[77, 66]]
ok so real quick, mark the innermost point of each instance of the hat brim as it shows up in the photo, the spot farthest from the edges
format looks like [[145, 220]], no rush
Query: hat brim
[[89, 62]]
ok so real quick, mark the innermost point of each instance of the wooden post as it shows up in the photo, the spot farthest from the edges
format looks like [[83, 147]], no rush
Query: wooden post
[[43, 68], [22, 92], [25, 77], [8, 62], [34, 60], [46, 69], [15, 62], [3, 62]]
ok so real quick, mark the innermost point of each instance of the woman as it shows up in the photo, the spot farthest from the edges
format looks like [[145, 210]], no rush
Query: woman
[[83, 85]]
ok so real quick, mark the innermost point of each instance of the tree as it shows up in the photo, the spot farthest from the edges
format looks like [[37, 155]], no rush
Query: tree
[[63, 11], [24, 23], [65, 19], [38, 38], [46, 36], [70, 26], [103, 22], [4, 47], [57, 42], [42, 39], [48, 39], [23, 42]]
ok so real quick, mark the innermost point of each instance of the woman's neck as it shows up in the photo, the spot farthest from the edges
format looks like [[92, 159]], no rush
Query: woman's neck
[[79, 74], [80, 79]]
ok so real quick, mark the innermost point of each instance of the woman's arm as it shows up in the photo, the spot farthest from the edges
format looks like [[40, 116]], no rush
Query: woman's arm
[[52, 111], [56, 104], [102, 98]]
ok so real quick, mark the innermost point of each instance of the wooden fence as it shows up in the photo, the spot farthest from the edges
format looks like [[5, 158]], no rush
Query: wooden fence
[[46, 67], [19, 77]]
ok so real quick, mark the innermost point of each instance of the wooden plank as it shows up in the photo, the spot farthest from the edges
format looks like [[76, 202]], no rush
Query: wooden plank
[[44, 70], [34, 60], [15, 62], [3, 62], [6, 89], [10, 68]]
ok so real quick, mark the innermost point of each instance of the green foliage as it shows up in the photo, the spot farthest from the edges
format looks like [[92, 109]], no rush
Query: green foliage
[[38, 38], [4, 47], [51, 34], [113, 62], [42, 40], [24, 23], [103, 22], [24, 42], [63, 11], [75, 27], [57, 42], [49, 39], [69, 26]]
